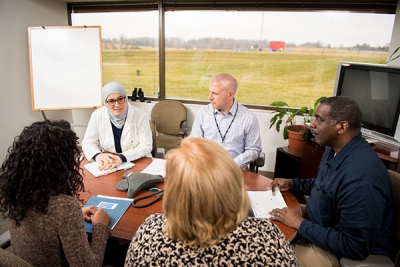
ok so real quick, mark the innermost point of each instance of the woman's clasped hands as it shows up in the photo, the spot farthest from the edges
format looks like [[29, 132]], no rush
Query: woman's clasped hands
[[108, 161]]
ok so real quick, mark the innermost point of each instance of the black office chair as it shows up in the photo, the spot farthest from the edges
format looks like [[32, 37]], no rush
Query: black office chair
[[259, 162]]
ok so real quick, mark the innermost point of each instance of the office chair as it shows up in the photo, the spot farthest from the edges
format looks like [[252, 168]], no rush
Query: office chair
[[169, 118], [156, 152], [7, 258], [259, 162], [393, 257]]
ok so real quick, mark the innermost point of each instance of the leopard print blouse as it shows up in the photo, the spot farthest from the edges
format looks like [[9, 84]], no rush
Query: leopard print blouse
[[255, 242]]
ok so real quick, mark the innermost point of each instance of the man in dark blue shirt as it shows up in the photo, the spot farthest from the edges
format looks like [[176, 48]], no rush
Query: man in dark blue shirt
[[350, 207]]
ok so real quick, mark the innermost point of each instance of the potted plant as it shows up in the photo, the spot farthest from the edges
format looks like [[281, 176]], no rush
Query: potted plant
[[296, 133]]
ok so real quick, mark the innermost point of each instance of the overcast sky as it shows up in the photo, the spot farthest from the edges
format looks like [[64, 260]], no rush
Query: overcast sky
[[334, 28]]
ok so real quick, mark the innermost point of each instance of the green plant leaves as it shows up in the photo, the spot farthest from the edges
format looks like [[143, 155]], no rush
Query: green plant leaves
[[287, 114], [285, 133], [304, 135], [394, 52], [312, 110], [279, 104]]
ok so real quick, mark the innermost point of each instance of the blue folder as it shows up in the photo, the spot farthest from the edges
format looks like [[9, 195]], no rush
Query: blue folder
[[115, 208]]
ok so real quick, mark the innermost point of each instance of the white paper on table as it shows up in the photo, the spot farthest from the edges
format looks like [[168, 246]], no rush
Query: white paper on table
[[93, 168], [262, 202], [157, 167]]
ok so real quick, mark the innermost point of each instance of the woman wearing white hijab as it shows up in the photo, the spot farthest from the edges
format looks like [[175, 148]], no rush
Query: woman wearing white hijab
[[117, 132]]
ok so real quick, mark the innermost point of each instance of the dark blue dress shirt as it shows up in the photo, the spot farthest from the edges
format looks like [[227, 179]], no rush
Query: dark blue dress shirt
[[350, 207]]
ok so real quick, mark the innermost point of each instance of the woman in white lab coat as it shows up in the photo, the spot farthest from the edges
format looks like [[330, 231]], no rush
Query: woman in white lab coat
[[117, 132]]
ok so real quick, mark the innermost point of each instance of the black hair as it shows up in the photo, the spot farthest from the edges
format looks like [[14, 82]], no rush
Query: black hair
[[41, 163], [344, 108]]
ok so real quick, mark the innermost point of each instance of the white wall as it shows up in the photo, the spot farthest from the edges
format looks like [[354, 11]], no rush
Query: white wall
[[15, 96], [15, 104]]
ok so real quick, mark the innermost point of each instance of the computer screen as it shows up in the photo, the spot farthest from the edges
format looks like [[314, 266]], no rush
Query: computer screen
[[376, 89]]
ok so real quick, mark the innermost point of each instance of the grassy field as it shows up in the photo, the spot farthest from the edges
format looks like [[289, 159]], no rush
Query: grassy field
[[298, 77]]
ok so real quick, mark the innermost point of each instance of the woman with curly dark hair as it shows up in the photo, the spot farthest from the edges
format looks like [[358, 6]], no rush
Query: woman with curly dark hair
[[40, 181]]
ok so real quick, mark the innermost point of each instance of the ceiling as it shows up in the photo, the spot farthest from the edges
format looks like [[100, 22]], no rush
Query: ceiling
[[378, 6], [380, 2]]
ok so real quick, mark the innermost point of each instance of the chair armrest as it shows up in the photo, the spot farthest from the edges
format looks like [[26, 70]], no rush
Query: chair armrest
[[5, 240], [260, 161], [160, 153], [371, 260], [184, 130]]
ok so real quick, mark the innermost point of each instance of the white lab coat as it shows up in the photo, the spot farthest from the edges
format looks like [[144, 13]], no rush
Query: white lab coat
[[136, 138]]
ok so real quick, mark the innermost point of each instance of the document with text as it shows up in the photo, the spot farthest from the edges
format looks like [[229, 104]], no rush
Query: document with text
[[156, 167], [262, 202]]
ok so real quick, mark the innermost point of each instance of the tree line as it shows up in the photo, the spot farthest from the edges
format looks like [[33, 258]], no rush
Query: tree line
[[219, 44]]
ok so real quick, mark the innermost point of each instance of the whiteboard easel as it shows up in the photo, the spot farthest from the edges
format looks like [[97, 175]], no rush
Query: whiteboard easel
[[65, 67]]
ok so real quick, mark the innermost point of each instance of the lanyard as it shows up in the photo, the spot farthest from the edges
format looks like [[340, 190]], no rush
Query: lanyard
[[230, 124]]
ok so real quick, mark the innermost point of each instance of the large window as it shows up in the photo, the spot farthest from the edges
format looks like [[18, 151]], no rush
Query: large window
[[290, 56], [130, 48]]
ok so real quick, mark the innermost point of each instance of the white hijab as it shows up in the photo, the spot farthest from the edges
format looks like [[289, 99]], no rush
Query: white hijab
[[111, 88]]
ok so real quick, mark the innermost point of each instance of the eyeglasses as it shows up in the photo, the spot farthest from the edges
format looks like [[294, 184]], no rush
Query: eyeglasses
[[120, 100]]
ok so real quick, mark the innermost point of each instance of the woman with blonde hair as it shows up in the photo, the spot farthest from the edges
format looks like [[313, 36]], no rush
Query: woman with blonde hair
[[205, 216]]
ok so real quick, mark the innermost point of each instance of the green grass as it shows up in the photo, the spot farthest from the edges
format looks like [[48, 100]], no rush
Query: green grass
[[298, 77]]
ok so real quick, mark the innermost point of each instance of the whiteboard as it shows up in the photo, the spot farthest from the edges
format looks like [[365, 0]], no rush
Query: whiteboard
[[65, 67]]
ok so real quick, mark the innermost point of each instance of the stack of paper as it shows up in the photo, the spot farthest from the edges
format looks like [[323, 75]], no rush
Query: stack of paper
[[114, 206], [93, 168], [156, 167], [262, 202]]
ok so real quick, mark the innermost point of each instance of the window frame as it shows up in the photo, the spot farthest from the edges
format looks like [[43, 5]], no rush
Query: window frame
[[162, 6]]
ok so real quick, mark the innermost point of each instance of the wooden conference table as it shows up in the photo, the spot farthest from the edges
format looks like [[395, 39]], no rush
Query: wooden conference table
[[133, 218]]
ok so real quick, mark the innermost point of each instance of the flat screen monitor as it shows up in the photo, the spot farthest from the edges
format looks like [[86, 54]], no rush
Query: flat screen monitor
[[376, 89]]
